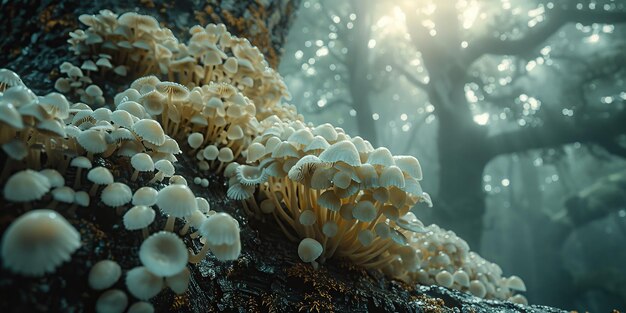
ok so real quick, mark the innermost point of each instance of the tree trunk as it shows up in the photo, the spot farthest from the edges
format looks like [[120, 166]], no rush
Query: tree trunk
[[460, 202]]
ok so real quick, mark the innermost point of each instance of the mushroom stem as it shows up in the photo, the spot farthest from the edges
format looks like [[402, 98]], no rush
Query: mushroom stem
[[145, 232], [93, 190], [120, 210], [183, 231], [157, 178], [196, 258], [134, 176], [169, 224], [77, 179]]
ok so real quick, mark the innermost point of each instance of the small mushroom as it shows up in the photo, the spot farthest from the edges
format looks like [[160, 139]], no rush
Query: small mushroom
[[79, 163], [112, 301], [176, 201], [99, 176], [26, 186], [221, 233], [139, 217], [104, 274], [142, 283], [164, 169], [116, 195], [38, 242], [163, 254], [141, 162]]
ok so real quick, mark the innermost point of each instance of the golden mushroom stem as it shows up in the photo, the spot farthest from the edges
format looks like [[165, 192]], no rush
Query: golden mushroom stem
[[134, 176], [158, 177], [93, 190], [183, 231], [145, 232], [169, 224], [196, 258], [77, 179]]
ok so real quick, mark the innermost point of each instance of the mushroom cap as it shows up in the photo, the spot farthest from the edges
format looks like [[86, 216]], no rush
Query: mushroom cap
[[462, 278], [150, 131], [330, 228], [122, 118], [145, 196], [165, 166], [176, 200], [477, 288], [392, 176], [210, 152], [177, 180], [203, 205], [9, 78], [56, 104], [38, 242], [100, 176], [179, 282], [225, 155], [93, 141], [343, 151], [81, 162], [163, 254], [220, 229], [445, 279], [81, 198], [54, 177], [365, 237], [63, 194], [196, 219], [112, 301], [174, 90], [141, 307], [25, 186], [104, 274], [143, 284], [138, 217], [250, 175], [142, 162], [410, 165], [364, 211], [309, 249], [516, 283], [307, 218], [132, 107], [19, 95], [10, 115], [116, 194], [195, 140]]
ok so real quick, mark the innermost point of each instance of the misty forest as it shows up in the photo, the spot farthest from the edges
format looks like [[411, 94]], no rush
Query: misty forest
[[515, 110], [262, 156]]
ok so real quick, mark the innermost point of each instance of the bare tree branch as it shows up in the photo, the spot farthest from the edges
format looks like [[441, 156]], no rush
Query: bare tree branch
[[555, 19], [557, 132]]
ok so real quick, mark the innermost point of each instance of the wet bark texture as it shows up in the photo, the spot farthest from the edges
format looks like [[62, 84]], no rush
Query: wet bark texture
[[268, 277]]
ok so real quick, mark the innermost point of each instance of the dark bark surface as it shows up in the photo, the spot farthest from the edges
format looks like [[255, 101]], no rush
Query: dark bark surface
[[269, 275]]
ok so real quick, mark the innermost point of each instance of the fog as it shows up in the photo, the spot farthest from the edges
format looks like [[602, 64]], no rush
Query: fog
[[515, 110]]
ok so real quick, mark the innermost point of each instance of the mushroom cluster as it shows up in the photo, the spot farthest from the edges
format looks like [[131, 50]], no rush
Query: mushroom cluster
[[215, 122], [321, 184], [338, 196], [135, 43], [440, 257]]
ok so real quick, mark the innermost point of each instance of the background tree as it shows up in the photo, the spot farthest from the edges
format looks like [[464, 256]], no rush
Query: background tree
[[516, 103]]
